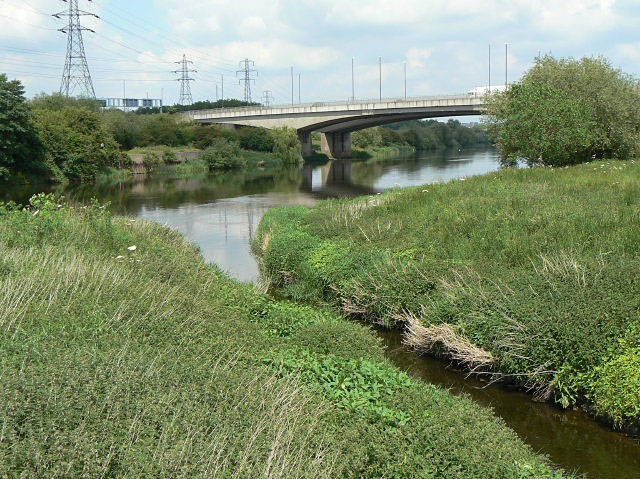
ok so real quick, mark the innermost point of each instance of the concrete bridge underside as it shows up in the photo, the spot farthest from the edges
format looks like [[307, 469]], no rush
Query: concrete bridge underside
[[336, 121]]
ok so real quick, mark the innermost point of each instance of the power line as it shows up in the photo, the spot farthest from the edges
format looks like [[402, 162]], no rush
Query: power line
[[185, 80], [76, 70], [247, 78]]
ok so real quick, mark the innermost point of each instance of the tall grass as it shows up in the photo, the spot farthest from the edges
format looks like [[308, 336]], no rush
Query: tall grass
[[533, 268], [122, 354]]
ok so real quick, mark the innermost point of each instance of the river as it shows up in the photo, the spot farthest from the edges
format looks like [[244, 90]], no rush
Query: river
[[221, 212]]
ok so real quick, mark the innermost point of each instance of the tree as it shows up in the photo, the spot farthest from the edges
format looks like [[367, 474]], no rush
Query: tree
[[77, 143], [57, 102], [20, 147], [567, 111], [287, 145]]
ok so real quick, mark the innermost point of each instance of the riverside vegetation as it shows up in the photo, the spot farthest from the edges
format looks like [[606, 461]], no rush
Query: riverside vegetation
[[124, 355], [63, 139], [527, 275]]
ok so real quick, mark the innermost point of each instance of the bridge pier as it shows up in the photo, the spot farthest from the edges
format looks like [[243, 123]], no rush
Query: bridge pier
[[305, 140], [336, 145]]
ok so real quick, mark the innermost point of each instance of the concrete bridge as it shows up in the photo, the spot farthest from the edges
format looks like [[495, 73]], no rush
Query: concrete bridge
[[335, 121]]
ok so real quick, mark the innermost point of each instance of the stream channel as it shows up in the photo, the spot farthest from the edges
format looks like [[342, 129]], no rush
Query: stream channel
[[220, 213]]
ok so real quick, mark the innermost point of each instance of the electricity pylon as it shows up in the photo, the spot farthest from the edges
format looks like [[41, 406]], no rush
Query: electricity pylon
[[185, 86], [247, 78], [267, 98], [76, 70]]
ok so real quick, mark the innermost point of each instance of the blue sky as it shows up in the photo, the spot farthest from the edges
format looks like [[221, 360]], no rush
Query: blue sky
[[443, 42]]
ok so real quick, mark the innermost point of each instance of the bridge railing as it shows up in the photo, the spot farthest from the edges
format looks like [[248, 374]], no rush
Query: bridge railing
[[349, 102]]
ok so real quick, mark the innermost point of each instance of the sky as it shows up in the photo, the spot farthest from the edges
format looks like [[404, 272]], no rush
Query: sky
[[444, 44]]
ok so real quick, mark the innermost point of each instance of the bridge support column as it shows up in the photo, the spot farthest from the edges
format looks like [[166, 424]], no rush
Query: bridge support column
[[305, 139], [336, 145]]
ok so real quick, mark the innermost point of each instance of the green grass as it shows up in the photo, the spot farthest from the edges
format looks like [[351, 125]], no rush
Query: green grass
[[382, 152], [141, 150], [123, 354], [528, 275]]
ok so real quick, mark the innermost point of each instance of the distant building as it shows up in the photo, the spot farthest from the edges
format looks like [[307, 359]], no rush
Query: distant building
[[130, 103]]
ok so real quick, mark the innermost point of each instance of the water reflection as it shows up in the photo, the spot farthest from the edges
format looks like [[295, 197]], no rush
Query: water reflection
[[220, 212]]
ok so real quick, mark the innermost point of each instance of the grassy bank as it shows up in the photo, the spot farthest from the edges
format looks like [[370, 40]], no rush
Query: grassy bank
[[382, 152], [124, 355], [526, 275]]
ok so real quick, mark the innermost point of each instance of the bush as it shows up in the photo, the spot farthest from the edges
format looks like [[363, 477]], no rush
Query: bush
[[616, 385], [152, 161], [169, 156], [77, 144], [590, 111], [286, 145], [256, 139], [223, 154]]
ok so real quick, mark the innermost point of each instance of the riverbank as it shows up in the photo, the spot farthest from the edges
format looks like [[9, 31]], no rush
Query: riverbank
[[523, 275], [143, 360], [383, 152]]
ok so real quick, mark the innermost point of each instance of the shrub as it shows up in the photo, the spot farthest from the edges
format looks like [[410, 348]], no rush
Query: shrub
[[76, 142], [287, 146], [590, 110], [223, 154], [169, 156], [256, 139], [616, 386], [152, 161]]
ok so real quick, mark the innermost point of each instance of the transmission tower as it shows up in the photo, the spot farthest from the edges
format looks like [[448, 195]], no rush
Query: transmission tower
[[185, 86], [247, 78], [76, 70], [267, 98]]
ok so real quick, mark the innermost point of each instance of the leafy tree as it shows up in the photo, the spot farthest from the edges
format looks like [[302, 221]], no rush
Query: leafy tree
[[124, 126], [57, 102], [256, 139], [287, 147], [77, 143], [20, 147], [567, 111]]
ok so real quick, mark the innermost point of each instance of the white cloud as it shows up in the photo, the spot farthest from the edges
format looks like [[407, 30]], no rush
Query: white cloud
[[416, 58]]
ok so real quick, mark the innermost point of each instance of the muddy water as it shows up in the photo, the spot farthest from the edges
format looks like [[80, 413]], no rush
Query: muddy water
[[221, 212]]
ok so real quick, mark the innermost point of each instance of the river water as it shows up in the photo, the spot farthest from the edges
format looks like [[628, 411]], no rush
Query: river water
[[221, 212]]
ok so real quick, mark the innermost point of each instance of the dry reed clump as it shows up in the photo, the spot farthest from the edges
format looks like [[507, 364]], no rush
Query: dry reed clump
[[425, 338]]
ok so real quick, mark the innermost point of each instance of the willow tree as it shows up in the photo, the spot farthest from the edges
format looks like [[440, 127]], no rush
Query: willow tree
[[566, 111]]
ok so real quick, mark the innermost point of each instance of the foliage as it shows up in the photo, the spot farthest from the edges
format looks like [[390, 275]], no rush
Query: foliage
[[76, 142], [421, 135], [356, 385], [616, 391], [198, 105], [20, 147], [286, 145], [567, 111], [256, 139], [58, 102], [535, 267], [121, 361], [152, 161], [223, 154]]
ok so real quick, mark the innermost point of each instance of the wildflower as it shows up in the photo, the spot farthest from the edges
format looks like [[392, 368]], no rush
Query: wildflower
[[132, 248]]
